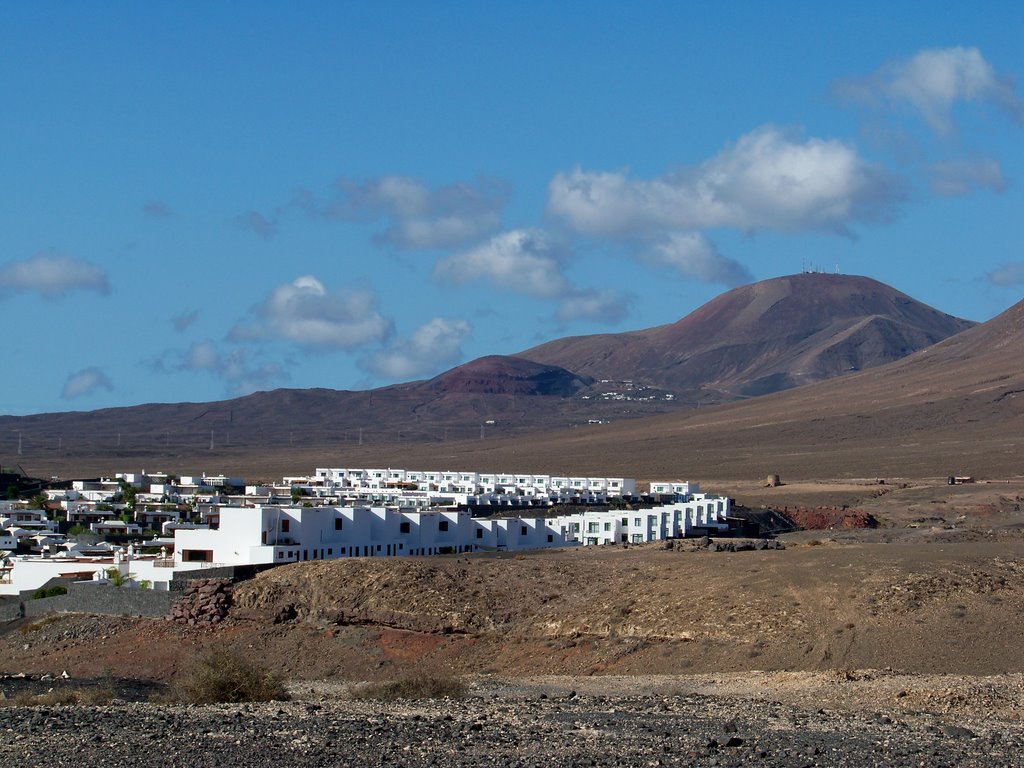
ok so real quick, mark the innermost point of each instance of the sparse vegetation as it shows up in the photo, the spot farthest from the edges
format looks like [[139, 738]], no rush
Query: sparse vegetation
[[223, 676], [63, 696], [24, 629], [417, 686], [49, 592]]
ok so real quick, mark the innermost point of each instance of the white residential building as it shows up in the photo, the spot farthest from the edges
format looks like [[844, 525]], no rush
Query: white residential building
[[701, 514], [469, 483], [276, 534]]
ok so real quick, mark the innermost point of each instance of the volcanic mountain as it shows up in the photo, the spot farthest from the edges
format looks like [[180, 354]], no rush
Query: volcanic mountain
[[954, 408], [762, 338], [756, 339]]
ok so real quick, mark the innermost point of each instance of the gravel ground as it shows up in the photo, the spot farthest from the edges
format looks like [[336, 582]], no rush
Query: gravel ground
[[506, 724]]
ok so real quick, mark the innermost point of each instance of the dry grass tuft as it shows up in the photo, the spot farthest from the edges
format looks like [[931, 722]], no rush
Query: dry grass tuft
[[416, 686], [97, 696], [222, 676]]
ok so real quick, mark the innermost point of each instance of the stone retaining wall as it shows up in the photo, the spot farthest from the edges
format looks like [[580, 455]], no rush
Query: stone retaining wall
[[106, 599]]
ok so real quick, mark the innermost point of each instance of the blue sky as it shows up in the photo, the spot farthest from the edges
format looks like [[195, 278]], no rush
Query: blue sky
[[200, 200]]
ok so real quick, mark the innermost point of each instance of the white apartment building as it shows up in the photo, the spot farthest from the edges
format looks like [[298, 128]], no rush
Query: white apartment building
[[677, 487], [700, 515], [277, 534], [469, 483]]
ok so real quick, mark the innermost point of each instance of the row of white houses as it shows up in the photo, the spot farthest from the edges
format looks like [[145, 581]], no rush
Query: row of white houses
[[466, 482], [275, 534]]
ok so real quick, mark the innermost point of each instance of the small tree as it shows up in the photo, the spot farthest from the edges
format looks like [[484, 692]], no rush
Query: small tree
[[128, 495], [38, 501]]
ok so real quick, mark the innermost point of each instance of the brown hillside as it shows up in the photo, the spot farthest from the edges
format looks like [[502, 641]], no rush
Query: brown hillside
[[954, 408], [762, 338]]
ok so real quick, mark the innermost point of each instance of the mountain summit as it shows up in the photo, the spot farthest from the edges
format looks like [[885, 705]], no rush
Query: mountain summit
[[762, 338]]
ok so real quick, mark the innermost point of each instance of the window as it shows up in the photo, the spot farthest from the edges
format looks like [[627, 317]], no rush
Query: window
[[330, 551], [607, 526], [625, 522], [338, 521], [404, 527], [442, 525], [284, 525], [522, 530], [551, 538], [637, 522], [479, 533], [593, 527]]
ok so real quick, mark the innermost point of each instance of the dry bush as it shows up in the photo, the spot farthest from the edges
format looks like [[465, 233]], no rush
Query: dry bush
[[83, 697], [416, 686], [221, 676]]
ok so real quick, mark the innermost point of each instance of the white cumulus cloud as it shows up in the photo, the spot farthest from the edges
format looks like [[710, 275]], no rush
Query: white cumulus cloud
[[433, 346], [932, 81], [52, 275], [303, 311], [418, 217], [767, 180], [693, 255], [522, 260], [85, 382]]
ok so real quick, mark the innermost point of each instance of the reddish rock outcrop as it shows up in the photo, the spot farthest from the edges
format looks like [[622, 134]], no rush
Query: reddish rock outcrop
[[204, 602]]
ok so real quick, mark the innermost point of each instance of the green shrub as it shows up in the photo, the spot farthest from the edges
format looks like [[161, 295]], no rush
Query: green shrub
[[49, 592], [416, 686], [221, 676]]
